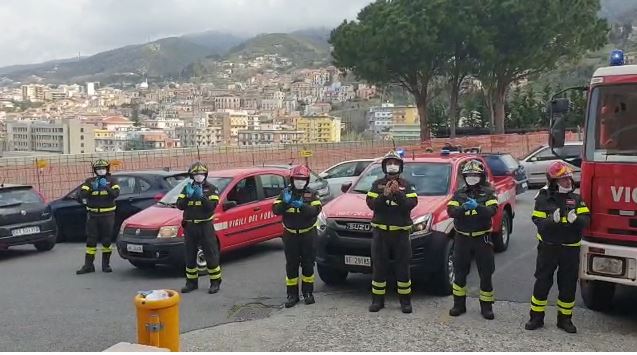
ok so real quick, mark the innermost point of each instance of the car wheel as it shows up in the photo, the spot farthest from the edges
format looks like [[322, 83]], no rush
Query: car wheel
[[597, 295], [144, 265], [501, 239], [44, 245], [331, 276], [441, 283]]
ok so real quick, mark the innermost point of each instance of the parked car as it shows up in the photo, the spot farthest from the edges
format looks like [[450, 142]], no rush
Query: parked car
[[503, 164], [138, 191], [345, 232], [317, 183], [539, 160], [25, 218], [243, 217], [344, 172]]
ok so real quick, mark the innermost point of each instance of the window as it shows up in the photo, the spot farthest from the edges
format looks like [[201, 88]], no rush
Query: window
[[82, 137], [143, 185], [81, 145], [82, 130], [126, 184], [342, 170], [245, 191], [571, 151], [545, 154], [272, 185]]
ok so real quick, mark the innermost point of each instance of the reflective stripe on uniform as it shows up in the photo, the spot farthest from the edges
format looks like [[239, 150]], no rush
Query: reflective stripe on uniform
[[474, 234], [372, 194], [378, 288], [293, 210], [181, 196], [577, 244], [459, 291], [107, 249], [390, 228], [292, 282], [491, 203], [566, 308], [315, 203], [308, 279], [487, 296], [300, 231], [213, 198], [453, 203], [215, 273], [195, 221], [91, 250], [404, 288], [581, 210], [86, 188], [194, 203], [277, 202], [564, 220], [379, 284], [538, 305], [192, 274], [101, 210], [471, 213], [115, 187], [411, 195], [539, 214]]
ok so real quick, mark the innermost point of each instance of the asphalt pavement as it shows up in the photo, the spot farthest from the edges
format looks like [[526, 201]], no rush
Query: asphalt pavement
[[44, 306]]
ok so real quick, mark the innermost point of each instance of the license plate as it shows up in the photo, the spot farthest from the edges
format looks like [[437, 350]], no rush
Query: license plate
[[607, 266], [358, 260], [135, 248], [25, 231], [360, 227]]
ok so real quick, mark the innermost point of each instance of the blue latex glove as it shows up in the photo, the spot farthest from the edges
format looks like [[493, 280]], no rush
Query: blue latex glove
[[471, 204], [102, 182], [189, 190], [197, 191], [287, 196], [94, 184], [296, 203]]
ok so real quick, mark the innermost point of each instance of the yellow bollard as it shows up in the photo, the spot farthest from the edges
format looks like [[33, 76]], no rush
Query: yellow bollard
[[158, 321]]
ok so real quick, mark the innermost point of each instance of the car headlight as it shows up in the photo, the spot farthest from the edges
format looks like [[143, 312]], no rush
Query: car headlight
[[121, 229], [421, 226], [322, 221], [168, 232], [324, 191]]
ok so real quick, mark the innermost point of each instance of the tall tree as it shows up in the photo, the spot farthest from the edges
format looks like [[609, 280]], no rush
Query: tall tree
[[527, 37], [394, 41]]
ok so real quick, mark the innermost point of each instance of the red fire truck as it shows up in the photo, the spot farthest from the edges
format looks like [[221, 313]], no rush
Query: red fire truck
[[608, 180]]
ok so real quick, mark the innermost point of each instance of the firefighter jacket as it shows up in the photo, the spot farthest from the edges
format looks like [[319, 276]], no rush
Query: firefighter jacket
[[475, 222], [100, 200], [302, 219], [562, 232], [393, 212], [199, 209]]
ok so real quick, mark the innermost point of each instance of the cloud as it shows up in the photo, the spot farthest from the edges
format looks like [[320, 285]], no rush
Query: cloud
[[39, 30]]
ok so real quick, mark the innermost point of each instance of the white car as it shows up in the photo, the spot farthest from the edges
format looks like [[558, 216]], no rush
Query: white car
[[344, 172], [539, 160]]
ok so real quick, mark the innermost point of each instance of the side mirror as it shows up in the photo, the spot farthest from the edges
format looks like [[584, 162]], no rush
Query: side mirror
[[228, 205], [323, 175], [345, 187], [560, 106], [557, 135]]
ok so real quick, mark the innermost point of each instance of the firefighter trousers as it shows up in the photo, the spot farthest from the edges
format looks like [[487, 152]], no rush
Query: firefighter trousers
[[388, 247], [201, 235], [465, 249], [99, 228], [565, 260], [299, 251]]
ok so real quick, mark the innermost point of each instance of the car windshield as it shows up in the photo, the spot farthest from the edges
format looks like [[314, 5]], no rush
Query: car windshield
[[175, 179], [497, 165], [15, 197], [171, 197], [430, 179], [612, 124]]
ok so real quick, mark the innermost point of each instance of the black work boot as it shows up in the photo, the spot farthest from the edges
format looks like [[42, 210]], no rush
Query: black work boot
[[214, 286], [486, 309], [308, 298], [536, 321], [405, 303], [106, 262], [564, 322], [459, 306], [307, 289], [191, 285], [88, 265], [378, 303], [293, 296]]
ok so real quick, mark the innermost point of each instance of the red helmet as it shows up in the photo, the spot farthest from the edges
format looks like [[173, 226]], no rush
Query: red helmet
[[559, 170], [300, 172]]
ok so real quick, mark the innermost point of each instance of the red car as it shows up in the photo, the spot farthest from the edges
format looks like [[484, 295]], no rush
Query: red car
[[344, 242], [243, 217]]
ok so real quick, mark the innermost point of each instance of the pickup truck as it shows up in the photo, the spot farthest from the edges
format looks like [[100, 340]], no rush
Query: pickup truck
[[345, 232]]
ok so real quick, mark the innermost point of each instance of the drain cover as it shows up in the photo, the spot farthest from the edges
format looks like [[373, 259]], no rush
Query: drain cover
[[250, 311]]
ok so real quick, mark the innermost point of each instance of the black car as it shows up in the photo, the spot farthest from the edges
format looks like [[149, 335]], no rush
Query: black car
[[502, 164], [138, 190], [25, 218]]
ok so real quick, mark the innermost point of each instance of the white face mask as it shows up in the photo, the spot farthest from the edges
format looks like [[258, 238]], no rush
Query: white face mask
[[392, 168], [100, 172], [299, 184], [564, 189], [199, 178], [472, 180]]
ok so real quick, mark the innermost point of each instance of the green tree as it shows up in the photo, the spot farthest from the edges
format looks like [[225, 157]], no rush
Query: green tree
[[528, 37], [394, 41]]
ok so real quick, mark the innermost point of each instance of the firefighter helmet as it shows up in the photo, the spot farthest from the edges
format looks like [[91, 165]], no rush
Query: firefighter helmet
[[198, 168], [392, 155], [559, 170], [300, 172], [473, 167], [101, 164]]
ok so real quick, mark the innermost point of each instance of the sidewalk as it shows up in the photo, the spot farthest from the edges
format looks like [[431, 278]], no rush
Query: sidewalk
[[341, 323]]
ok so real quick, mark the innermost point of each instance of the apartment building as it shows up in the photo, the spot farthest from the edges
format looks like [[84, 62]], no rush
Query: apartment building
[[68, 136], [319, 129], [269, 136]]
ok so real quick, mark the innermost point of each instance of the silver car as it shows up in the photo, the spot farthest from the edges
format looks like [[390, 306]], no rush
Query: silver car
[[539, 160], [344, 172]]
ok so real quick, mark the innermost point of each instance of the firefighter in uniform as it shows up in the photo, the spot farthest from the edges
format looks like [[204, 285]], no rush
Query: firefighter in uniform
[[300, 208], [560, 216], [392, 199], [198, 200], [472, 208], [100, 193]]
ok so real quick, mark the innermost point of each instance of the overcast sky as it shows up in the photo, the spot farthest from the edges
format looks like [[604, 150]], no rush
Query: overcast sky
[[39, 30]]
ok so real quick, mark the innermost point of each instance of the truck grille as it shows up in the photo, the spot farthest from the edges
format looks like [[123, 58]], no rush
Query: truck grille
[[139, 233], [622, 231], [353, 229]]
